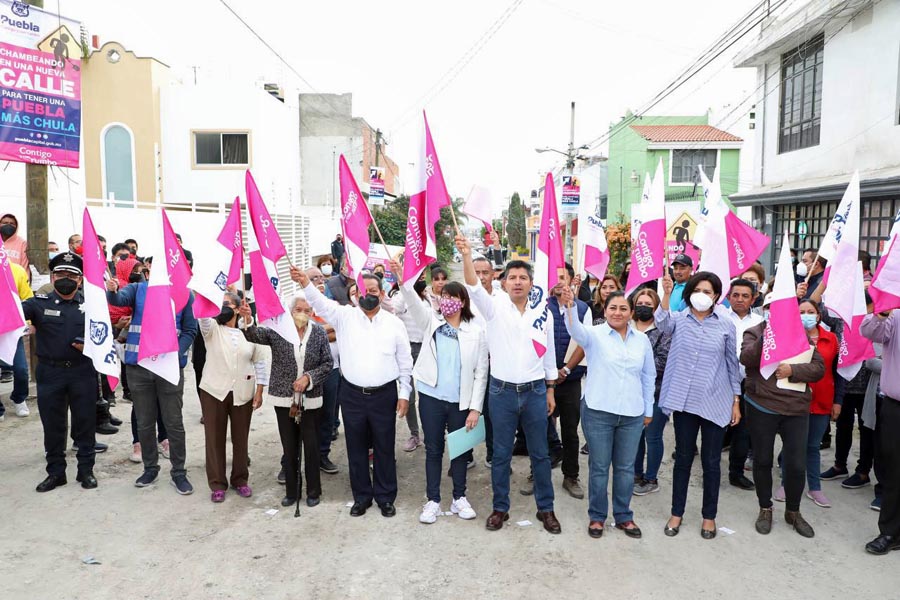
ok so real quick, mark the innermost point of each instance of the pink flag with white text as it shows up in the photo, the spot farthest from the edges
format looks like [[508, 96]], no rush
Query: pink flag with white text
[[885, 287], [648, 248], [854, 347], [355, 220], [424, 210], [12, 320], [839, 293], [745, 244], [218, 266], [784, 336], [548, 260], [98, 331], [177, 265]]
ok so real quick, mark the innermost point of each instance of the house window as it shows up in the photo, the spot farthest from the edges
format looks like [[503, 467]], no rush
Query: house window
[[685, 163], [221, 149], [801, 96], [118, 164]]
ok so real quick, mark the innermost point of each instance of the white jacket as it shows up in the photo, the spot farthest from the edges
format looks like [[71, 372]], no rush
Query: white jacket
[[473, 353]]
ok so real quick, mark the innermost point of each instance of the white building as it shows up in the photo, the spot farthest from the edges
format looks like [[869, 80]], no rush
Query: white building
[[828, 104]]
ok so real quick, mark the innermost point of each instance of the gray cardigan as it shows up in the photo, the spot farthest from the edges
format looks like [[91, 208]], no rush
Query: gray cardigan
[[317, 362]]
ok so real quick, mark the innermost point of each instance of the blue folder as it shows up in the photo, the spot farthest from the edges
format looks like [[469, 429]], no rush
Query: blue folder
[[461, 441]]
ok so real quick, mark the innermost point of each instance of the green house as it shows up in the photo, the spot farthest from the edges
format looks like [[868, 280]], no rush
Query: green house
[[637, 144]]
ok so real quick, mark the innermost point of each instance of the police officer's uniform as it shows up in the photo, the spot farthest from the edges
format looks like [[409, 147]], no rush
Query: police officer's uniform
[[65, 377]]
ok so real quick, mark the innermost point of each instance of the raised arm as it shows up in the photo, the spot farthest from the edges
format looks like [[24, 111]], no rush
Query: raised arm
[[329, 310], [879, 328], [420, 314]]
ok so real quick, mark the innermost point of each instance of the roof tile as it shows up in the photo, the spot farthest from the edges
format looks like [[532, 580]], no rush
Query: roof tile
[[683, 133]]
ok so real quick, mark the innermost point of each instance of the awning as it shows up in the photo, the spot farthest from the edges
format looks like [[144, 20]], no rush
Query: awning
[[881, 182]]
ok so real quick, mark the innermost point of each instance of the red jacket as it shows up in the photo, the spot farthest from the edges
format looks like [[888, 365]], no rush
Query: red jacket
[[830, 389]]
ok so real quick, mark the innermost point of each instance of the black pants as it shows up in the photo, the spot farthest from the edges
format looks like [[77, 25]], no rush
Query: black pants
[[75, 389], [889, 454], [763, 428], [568, 407], [850, 412], [740, 445], [371, 419], [292, 435]]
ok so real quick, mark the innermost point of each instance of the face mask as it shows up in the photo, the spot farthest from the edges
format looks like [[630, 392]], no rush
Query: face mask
[[124, 256], [643, 313], [225, 316], [369, 302], [809, 321], [79, 250], [450, 305], [764, 288], [802, 271], [7, 230], [301, 320], [53, 255], [379, 275], [326, 270], [135, 278], [420, 286], [701, 301], [65, 286]]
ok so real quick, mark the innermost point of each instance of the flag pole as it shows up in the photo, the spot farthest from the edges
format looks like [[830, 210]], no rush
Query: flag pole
[[380, 237], [453, 215]]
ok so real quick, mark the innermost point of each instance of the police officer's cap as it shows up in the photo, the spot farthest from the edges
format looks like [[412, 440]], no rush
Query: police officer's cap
[[66, 261]]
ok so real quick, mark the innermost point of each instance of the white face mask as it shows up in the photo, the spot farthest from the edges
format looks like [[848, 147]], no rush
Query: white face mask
[[802, 271], [701, 301], [326, 270], [764, 288]]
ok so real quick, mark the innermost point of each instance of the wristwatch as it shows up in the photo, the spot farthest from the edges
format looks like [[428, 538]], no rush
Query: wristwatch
[[567, 370]]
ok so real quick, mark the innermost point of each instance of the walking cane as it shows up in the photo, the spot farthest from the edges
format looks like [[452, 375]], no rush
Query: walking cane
[[298, 397]]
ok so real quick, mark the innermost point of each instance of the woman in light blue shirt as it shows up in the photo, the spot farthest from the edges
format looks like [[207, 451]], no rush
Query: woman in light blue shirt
[[617, 405]]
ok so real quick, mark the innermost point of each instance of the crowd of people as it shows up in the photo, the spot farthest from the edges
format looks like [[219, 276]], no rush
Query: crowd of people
[[444, 355]]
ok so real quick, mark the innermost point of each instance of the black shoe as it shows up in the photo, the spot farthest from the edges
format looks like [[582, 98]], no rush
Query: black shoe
[[880, 545], [326, 466], [310, 501], [556, 460], [87, 480], [281, 478], [182, 485], [107, 429], [288, 501], [100, 447], [359, 508], [741, 481], [114, 421], [111, 400], [6, 377], [146, 478], [387, 509], [51, 483], [334, 434]]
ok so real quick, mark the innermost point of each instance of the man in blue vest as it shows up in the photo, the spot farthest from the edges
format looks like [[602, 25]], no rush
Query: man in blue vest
[[150, 392]]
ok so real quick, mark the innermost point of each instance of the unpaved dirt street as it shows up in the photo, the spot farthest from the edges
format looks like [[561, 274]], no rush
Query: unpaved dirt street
[[152, 543]]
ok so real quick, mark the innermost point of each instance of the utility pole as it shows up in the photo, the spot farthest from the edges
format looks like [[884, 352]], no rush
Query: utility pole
[[36, 205], [570, 166], [377, 145]]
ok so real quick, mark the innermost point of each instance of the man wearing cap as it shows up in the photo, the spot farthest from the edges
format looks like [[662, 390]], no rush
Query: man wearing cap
[[682, 269], [65, 376]]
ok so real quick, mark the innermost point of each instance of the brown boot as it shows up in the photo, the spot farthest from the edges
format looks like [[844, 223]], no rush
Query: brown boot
[[764, 521], [799, 523], [495, 521]]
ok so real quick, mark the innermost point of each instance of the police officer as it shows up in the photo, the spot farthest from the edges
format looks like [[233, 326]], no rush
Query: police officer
[[65, 376]]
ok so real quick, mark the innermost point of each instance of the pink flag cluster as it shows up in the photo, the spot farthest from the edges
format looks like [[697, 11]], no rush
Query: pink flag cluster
[[355, 220], [648, 237], [885, 288], [98, 331], [548, 261]]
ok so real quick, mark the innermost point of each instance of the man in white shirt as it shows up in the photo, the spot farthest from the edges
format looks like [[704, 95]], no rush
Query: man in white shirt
[[741, 298], [521, 384], [374, 350]]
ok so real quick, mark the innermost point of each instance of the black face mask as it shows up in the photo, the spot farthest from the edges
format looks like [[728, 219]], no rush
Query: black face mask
[[369, 302], [225, 316], [7, 230], [643, 313], [136, 278], [379, 275], [420, 286], [124, 256], [65, 286]]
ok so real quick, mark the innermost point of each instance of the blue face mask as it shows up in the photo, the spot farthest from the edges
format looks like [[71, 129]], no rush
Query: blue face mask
[[53, 255], [809, 321]]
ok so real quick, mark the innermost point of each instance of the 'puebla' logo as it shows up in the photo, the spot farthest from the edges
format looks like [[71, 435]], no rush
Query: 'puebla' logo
[[98, 332], [221, 281], [20, 9], [535, 296], [274, 281]]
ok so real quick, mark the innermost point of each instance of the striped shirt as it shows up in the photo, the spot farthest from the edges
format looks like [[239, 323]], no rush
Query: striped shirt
[[702, 373]]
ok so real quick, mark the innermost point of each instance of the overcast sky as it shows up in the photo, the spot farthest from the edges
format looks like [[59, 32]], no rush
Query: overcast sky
[[512, 97]]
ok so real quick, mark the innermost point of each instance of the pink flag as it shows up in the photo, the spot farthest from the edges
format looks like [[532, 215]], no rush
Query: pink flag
[[424, 211], [854, 347], [158, 346], [478, 205], [648, 249], [219, 266], [266, 248], [885, 287], [355, 220], [178, 268], [12, 320], [784, 337], [843, 267], [745, 244], [98, 332], [548, 261]]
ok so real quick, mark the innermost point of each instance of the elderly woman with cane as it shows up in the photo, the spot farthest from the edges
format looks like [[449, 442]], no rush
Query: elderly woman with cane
[[295, 390]]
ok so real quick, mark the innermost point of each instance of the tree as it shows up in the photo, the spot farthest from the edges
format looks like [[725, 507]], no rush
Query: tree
[[515, 226], [392, 219]]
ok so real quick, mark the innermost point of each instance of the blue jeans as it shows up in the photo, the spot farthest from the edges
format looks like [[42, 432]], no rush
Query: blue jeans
[[20, 376], [613, 439], [439, 416], [817, 426], [687, 427], [330, 390], [652, 440], [509, 409]]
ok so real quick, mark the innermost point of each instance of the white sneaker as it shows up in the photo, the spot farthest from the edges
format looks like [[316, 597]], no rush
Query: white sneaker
[[22, 410], [2, 418], [430, 512], [462, 508], [136, 454]]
